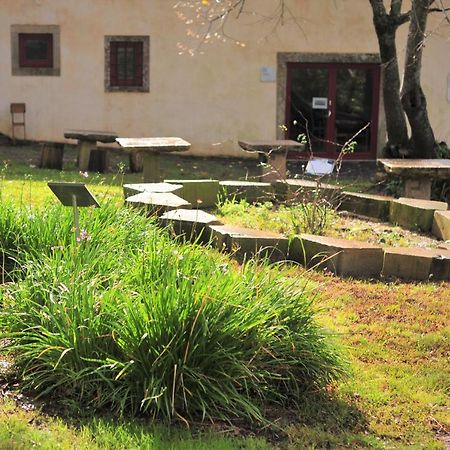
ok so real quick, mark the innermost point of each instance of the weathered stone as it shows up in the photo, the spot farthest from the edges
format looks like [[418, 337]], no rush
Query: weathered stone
[[245, 243], [132, 189], [157, 202], [441, 225], [367, 205], [341, 256], [250, 191], [415, 214], [190, 224], [416, 263], [201, 193], [306, 190]]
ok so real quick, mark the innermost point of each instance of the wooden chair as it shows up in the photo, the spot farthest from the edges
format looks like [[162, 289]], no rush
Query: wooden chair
[[17, 109]]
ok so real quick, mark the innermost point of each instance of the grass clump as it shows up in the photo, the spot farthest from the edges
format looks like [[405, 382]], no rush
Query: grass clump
[[132, 321]]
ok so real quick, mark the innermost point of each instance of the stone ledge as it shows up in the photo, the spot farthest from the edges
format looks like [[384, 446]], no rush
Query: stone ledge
[[190, 224], [135, 188], [157, 202], [368, 205], [302, 190], [343, 257], [200, 193], [415, 214], [246, 190], [441, 225], [245, 243], [416, 263]]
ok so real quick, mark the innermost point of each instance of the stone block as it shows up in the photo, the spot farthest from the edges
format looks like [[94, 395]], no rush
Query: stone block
[[245, 243], [200, 193], [368, 205], [157, 202], [343, 257], [190, 224], [416, 263], [306, 190], [132, 189], [250, 191], [441, 225], [415, 214]]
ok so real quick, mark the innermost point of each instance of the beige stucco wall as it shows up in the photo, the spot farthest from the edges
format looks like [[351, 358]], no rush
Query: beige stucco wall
[[209, 99]]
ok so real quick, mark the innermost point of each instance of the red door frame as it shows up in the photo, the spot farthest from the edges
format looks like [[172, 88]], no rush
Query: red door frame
[[332, 86]]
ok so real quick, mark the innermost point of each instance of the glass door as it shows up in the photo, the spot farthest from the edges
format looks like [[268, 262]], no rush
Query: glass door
[[333, 104]]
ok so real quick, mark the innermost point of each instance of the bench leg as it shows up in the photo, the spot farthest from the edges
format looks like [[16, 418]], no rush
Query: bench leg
[[418, 188], [84, 153], [151, 168], [275, 168]]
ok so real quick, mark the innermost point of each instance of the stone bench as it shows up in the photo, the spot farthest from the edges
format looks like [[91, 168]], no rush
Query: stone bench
[[369, 205], [415, 214], [416, 263], [342, 257]]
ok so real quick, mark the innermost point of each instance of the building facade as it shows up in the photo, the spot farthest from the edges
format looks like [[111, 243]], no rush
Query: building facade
[[140, 68]]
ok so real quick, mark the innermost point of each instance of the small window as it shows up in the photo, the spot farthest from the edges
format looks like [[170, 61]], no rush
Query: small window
[[35, 50], [127, 63]]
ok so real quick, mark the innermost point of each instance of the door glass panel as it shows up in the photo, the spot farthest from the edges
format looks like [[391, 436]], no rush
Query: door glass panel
[[309, 105], [354, 97]]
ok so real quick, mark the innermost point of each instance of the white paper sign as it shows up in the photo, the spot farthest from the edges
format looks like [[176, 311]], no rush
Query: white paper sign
[[320, 103], [268, 74]]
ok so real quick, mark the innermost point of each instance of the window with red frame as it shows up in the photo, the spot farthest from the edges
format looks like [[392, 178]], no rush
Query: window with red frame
[[126, 63], [35, 50]]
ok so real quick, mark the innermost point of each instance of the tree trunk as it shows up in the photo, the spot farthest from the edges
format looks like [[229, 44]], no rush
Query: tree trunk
[[412, 96], [386, 27]]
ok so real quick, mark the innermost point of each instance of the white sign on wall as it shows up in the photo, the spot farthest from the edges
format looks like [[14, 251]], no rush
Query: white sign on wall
[[268, 74], [320, 103]]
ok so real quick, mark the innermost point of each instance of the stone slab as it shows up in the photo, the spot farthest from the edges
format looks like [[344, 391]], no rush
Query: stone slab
[[91, 136], [135, 188], [190, 224], [368, 205], [343, 257], [415, 214], [251, 191], [416, 263], [305, 190], [154, 144], [157, 202], [200, 193], [441, 225], [245, 243]]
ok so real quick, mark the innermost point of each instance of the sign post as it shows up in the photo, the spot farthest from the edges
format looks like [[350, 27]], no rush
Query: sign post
[[75, 195]]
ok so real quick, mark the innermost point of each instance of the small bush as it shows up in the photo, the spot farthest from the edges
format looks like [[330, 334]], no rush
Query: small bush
[[132, 321]]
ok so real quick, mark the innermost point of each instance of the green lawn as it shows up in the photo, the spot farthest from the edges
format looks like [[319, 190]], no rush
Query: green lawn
[[397, 334]]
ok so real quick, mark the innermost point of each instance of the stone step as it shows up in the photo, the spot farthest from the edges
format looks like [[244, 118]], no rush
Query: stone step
[[200, 193], [190, 224], [369, 205], [342, 257], [415, 214], [441, 225], [416, 263], [135, 188], [245, 243], [157, 202], [251, 191]]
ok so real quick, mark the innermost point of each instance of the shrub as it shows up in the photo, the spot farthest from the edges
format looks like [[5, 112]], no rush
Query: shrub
[[132, 321]]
